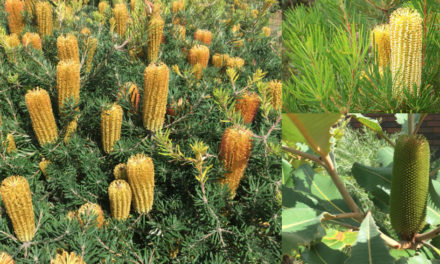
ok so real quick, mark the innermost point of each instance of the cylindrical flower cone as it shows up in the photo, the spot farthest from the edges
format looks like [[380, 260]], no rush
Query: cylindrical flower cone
[[32, 39], [204, 36], [102, 7], [155, 33], [120, 13], [180, 32], [12, 41], [199, 54], [120, 172], [14, 9], [67, 258], [29, 5], [68, 48], [43, 166], [44, 18], [92, 44], [16, 196], [219, 60], [380, 41], [198, 71], [248, 105], [68, 81], [119, 193], [235, 62], [131, 92], [266, 31], [154, 103], [235, 150], [176, 6], [40, 111], [10, 143], [5, 258], [90, 211], [275, 89], [140, 172], [111, 123], [71, 128]]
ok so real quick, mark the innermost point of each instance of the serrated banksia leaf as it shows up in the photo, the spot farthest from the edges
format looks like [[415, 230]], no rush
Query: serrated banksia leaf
[[90, 214], [68, 81], [154, 102], [140, 172], [32, 39], [92, 44], [68, 48], [120, 172], [275, 89], [155, 33], [235, 150], [43, 166], [44, 18], [406, 50], [5, 258], [199, 54], [248, 105], [16, 196], [14, 10], [409, 185], [380, 41], [67, 258], [120, 14], [10, 143], [40, 111], [120, 195], [111, 123], [204, 36]]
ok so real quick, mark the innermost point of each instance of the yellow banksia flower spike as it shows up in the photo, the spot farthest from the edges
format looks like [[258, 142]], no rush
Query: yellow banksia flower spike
[[235, 150], [68, 81], [176, 6], [199, 54], [120, 195], [120, 14], [16, 196], [44, 18], [5, 258], [102, 7], [140, 172], [380, 41], [111, 123], [12, 41], [10, 143], [275, 90], [92, 44], [32, 39], [155, 33], [406, 49], [219, 60], [266, 31], [235, 62], [29, 5], [71, 128], [85, 31], [67, 258], [154, 102], [68, 48], [131, 92], [40, 111], [120, 172], [204, 36], [90, 212], [248, 105], [198, 71], [180, 32], [14, 9], [43, 166]]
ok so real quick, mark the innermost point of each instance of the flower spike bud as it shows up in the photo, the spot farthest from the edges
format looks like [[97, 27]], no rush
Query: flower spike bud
[[219, 60], [121, 17], [380, 41], [89, 211], [119, 193], [16, 196], [43, 166], [204, 36], [199, 54], [131, 92], [102, 7], [66, 258], [275, 90], [111, 123], [14, 9], [10, 143], [40, 111], [5, 258], [120, 172], [68, 48], [156, 79], [248, 105], [266, 31], [140, 172], [235, 62], [155, 33], [29, 5], [92, 44], [32, 39], [198, 71], [68, 81], [44, 18]]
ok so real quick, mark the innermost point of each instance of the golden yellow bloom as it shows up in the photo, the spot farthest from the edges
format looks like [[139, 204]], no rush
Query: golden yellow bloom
[[29, 5], [68, 81], [111, 123], [266, 31], [15, 9], [179, 32], [5, 258], [235, 62], [91, 212], [10, 143], [380, 41], [198, 71], [120, 195], [204, 36], [121, 17], [236, 28], [92, 44], [71, 128], [16, 196], [155, 33], [43, 166], [85, 31], [219, 60], [67, 258], [68, 48], [44, 18], [275, 89], [131, 92], [238, 43], [12, 41], [176, 6], [140, 172], [199, 54], [32, 39], [248, 105], [102, 7], [120, 172]]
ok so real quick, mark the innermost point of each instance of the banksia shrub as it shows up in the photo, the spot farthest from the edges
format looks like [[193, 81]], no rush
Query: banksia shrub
[[176, 6], [16, 197], [5, 258], [90, 213], [40, 111], [68, 48], [29, 5], [14, 9], [235, 150], [68, 81], [199, 54], [275, 89], [10, 143], [198, 71], [380, 41], [120, 14], [44, 18], [12, 41], [248, 105], [235, 62], [67, 258], [204, 36], [154, 102], [120, 172], [406, 49], [219, 60], [266, 31], [179, 32], [155, 33], [92, 44], [43, 166], [119, 193], [140, 172], [32, 39], [409, 185], [111, 123]]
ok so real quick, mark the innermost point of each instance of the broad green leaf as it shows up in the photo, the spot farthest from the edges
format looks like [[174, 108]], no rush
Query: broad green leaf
[[385, 156], [321, 253], [420, 259], [369, 247], [311, 128], [402, 253], [287, 174], [336, 239], [371, 123]]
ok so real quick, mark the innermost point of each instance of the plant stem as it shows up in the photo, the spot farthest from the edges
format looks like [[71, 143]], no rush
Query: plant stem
[[304, 155], [428, 235], [410, 124], [328, 216]]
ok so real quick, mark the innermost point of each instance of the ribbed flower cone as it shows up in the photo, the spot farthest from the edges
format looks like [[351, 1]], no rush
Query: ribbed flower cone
[[276, 90], [248, 105], [68, 81], [71, 128], [199, 54], [219, 60], [44, 18], [154, 102], [67, 258], [40, 111], [176, 6], [68, 48], [10, 143], [406, 50], [204, 36], [235, 150], [121, 17], [14, 9], [89, 211], [102, 7], [43, 166], [180, 32], [198, 71], [119, 193], [29, 5], [155, 33], [140, 172], [131, 92], [32, 39], [120, 172], [16, 196], [12, 41], [111, 123], [266, 31], [92, 44], [380, 41], [234, 62], [5, 258]]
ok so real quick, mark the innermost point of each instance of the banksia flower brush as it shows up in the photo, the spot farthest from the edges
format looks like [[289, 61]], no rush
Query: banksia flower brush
[[10, 143], [5, 258], [66, 258], [199, 54], [68, 81], [12, 41], [203, 36], [111, 122], [14, 9], [40, 111], [380, 41], [248, 105], [29, 5], [121, 17], [44, 18], [119, 193], [91, 48], [68, 48], [120, 172], [275, 90], [131, 92], [16, 197], [266, 31], [32, 39], [43, 166], [235, 62], [180, 32], [155, 33], [235, 150], [406, 49], [154, 103], [176, 6], [91, 212], [102, 7], [140, 172], [219, 60]]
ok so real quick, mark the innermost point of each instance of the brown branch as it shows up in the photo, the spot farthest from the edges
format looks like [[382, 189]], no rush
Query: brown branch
[[304, 155], [328, 216], [428, 235], [420, 123]]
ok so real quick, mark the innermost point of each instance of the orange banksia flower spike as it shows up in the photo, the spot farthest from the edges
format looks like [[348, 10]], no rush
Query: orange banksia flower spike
[[32, 39], [68, 48], [14, 9], [120, 13], [199, 54], [44, 18], [275, 89], [204, 36], [248, 105], [67, 258], [68, 81]]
